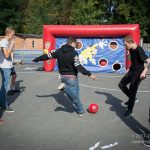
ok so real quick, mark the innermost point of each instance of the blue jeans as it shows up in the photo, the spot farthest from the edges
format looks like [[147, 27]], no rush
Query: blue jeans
[[72, 91], [5, 73]]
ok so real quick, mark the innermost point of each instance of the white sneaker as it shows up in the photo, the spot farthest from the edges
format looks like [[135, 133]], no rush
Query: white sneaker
[[136, 100], [61, 86]]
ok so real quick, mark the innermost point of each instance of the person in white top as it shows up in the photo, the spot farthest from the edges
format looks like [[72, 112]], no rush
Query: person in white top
[[6, 48]]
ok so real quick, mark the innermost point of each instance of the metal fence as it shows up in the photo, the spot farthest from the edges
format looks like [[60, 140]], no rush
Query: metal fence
[[146, 47], [26, 56]]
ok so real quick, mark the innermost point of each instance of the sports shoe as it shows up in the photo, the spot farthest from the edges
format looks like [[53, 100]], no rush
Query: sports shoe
[[128, 114], [1, 121], [136, 100], [147, 143], [9, 93], [81, 114], [8, 109], [61, 86], [126, 103], [16, 91]]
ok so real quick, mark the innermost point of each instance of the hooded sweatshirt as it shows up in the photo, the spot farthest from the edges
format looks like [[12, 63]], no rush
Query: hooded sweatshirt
[[68, 60]]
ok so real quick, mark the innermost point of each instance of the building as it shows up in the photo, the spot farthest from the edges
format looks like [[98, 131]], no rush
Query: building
[[27, 46]]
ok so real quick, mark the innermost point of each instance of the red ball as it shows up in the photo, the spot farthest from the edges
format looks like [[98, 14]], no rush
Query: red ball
[[93, 108]]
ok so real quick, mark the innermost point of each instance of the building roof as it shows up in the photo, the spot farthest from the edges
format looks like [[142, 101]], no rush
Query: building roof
[[24, 36]]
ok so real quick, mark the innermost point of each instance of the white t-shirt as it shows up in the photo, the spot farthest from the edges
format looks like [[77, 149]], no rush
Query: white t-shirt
[[5, 62]]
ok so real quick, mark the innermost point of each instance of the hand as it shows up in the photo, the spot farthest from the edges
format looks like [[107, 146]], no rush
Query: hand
[[127, 71], [92, 77], [36, 59], [12, 42], [143, 76]]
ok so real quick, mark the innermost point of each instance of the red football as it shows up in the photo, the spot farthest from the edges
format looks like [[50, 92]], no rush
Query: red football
[[93, 108]]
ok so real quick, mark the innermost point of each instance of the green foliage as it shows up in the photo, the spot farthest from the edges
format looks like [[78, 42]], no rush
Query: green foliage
[[132, 12], [29, 16], [85, 12], [11, 14]]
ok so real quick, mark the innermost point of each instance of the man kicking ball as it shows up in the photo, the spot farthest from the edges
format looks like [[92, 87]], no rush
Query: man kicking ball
[[69, 65]]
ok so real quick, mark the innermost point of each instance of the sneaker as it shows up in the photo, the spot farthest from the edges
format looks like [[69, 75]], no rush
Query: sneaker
[[136, 100], [128, 114], [147, 143], [126, 103], [61, 86], [1, 121], [9, 93], [16, 91], [8, 109], [81, 114]]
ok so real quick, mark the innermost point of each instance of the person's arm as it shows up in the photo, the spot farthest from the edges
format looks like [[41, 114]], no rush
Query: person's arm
[[44, 57], [7, 51], [146, 68], [81, 69], [12, 56], [41, 58]]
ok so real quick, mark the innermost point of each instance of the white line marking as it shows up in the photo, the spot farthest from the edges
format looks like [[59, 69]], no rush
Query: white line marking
[[98, 75], [94, 87], [88, 86], [113, 76]]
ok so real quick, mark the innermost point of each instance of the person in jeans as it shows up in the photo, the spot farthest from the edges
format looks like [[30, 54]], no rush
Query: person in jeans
[[138, 57], [69, 65], [6, 47]]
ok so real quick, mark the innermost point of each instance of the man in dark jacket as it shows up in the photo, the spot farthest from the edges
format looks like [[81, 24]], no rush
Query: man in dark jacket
[[69, 65]]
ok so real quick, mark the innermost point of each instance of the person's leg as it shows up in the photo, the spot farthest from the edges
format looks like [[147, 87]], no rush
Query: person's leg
[[149, 114], [7, 72], [71, 89], [123, 84], [13, 81], [2, 92], [135, 82], [133, 90]]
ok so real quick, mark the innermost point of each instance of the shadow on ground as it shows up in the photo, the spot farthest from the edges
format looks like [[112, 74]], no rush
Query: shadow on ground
[[131, 122], [13, 98], [63, 100]]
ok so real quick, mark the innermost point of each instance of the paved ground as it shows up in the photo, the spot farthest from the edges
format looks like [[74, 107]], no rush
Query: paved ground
[[44, 118]]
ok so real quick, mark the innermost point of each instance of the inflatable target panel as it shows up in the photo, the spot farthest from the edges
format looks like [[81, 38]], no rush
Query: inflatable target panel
[[100, 47]]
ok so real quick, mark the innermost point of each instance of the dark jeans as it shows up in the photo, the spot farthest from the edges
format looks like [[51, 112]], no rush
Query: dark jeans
[[5, 73], [72, 91], [134, 81]]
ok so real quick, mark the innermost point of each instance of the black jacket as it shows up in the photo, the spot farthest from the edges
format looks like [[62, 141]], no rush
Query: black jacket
[[68, 60]]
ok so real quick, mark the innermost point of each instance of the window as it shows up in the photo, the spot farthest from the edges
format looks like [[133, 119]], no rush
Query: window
[[33, 44]]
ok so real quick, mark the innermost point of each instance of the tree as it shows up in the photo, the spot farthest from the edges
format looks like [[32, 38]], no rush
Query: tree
[[86, 12], [11, 14], [133, 12]]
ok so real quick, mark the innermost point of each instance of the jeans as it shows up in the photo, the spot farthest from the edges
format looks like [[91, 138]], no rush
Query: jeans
[[5, 73], [134, 81], [72, 91]]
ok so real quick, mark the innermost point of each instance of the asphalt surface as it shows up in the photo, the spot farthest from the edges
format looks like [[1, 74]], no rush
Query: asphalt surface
[[44, 118]]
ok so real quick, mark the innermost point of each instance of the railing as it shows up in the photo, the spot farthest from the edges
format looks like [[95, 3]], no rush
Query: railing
[[146, 47]]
